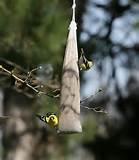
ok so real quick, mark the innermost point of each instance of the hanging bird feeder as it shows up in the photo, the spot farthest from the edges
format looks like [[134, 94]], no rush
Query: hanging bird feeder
[[69, 117]]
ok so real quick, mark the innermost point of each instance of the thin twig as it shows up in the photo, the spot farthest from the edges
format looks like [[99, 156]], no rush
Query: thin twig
[[92, 96], [27, 84], [94, 109], [30, 72]]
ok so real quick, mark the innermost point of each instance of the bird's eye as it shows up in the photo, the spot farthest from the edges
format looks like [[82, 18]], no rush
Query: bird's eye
[[52, 118]]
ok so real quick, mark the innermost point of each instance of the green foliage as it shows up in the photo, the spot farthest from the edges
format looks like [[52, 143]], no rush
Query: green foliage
[[32, 30]]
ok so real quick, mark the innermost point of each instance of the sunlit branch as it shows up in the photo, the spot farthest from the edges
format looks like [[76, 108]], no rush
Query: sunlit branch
[[25, 82]]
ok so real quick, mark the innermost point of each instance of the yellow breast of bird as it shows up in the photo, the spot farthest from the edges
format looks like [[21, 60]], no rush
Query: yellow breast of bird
[[53, 122]]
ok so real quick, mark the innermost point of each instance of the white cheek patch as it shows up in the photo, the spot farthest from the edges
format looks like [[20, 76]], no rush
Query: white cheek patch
[[46, 119]]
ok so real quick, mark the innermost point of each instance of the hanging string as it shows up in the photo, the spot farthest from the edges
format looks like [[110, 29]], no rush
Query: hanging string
[[73, 23], [73, 10]]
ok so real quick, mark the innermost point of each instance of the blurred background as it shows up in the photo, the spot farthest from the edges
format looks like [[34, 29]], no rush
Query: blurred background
[[33, 33]]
